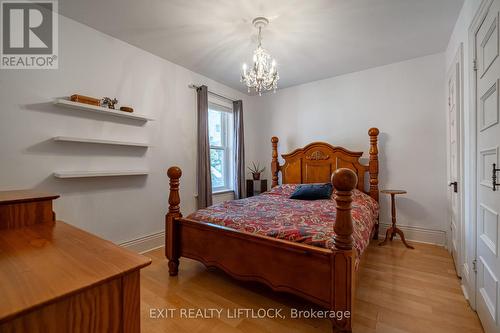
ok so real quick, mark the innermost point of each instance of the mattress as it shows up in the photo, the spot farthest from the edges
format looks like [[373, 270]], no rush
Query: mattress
[[273, 214]]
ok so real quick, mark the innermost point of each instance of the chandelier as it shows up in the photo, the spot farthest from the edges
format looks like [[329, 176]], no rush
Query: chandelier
[[263, 75]]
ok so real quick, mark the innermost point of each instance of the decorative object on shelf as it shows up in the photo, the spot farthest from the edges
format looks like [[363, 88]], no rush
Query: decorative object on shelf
[[126, 109], [101, 110], [263, 75], [256, 170], [85, 99], [108, 102], [252, 184]]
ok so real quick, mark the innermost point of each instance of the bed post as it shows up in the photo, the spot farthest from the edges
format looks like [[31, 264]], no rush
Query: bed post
[[344, 181], [373, 164], [373, 169], [343, 257], [275, 165], [171, 245]]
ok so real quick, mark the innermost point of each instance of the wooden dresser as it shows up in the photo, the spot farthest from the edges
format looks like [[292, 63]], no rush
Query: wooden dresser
[[58, 278]]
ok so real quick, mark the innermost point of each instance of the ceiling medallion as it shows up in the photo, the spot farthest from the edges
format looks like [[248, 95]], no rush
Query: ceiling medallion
[[263, 75]]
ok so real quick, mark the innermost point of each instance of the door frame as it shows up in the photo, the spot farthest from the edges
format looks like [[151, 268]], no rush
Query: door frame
[[471, 189], [458, 66]]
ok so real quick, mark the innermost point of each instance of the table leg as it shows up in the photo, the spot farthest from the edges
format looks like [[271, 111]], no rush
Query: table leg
[[387, 233], [400, 233]]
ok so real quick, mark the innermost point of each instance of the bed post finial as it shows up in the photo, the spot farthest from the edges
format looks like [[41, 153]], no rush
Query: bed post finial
[[174, 173], [275, 166], [171, 248], [373, 163], [344, 181]]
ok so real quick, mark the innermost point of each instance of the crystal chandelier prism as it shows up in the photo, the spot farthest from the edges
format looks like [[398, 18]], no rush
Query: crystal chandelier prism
[[263, 75]]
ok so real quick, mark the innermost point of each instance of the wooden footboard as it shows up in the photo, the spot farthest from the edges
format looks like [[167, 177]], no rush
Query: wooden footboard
[[322, 276]]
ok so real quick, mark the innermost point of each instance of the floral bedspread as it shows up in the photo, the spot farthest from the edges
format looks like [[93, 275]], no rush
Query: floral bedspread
[[311, 222]]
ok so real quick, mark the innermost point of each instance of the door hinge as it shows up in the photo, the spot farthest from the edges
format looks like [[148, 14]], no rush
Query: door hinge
[[474, 65], [474, 265]]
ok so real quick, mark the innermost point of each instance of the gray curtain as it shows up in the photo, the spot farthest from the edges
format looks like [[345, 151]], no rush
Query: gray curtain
[[239, 150], [204, 175]]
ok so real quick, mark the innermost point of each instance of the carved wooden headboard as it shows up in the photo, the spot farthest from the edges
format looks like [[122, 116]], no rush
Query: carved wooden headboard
[[316, 162]]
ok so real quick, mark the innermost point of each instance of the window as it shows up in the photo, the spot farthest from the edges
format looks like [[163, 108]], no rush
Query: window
[[220, 133]]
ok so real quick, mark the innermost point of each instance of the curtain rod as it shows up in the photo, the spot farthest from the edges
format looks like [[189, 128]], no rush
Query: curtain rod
[[193, 86]]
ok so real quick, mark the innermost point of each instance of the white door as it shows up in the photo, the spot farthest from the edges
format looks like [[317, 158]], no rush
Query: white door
[[454, 199], [487, 76]]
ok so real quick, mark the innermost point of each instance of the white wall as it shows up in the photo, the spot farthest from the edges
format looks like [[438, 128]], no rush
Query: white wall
[[404, 100], [94, 64]]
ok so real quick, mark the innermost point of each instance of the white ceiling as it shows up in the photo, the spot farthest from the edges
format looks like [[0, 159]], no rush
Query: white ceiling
[[310, 39]]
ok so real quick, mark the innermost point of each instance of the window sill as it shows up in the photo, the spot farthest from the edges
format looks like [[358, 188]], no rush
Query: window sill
[[219, 192]]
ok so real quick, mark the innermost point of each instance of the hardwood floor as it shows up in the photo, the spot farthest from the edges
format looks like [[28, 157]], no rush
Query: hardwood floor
[[400, 290]]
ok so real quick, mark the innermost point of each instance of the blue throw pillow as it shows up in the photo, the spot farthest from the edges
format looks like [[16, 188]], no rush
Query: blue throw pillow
[[313, 192]]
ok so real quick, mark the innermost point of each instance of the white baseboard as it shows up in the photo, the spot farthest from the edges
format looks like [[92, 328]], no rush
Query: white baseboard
[[464, 291], [146, 243], [418, 234]]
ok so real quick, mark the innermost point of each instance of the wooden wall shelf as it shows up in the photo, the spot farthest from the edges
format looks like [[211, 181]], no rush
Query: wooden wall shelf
[[98, 109], [98, 141], [91, 174]]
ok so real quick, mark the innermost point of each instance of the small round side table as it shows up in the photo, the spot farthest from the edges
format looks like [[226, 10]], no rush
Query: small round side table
[[393, 230]]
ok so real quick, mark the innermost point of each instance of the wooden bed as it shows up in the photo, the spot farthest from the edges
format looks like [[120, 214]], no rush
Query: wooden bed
[[323, 276]]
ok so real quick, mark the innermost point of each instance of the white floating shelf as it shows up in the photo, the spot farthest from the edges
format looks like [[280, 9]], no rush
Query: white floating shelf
[[97, 141], [87, 107], [89, 174]]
